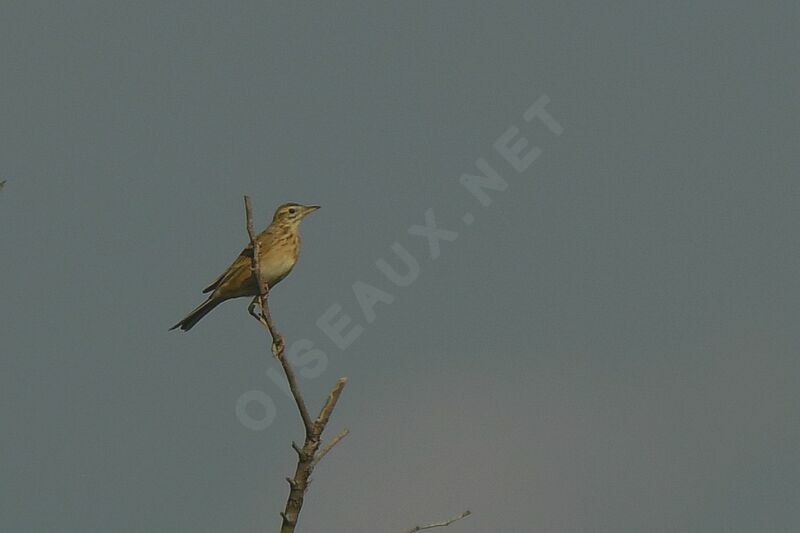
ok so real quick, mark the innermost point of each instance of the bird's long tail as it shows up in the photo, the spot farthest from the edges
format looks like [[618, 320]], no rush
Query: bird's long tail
[[199, 312]]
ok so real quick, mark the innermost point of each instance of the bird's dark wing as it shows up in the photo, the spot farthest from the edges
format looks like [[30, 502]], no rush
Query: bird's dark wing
[[244, 258]]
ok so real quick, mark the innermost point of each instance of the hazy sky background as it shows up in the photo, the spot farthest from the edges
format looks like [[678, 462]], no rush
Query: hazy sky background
[[611, 346]]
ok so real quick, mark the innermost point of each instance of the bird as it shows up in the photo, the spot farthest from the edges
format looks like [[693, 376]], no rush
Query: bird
[[279, 248]]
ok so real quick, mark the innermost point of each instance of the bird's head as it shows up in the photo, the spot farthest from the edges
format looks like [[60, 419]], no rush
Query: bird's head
[[293, 213]]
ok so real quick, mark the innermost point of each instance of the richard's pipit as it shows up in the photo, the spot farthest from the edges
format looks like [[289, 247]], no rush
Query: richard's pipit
[[279, 247]]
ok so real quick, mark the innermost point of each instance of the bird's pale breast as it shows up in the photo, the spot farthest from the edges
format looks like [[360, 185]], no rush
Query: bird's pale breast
[[278, 259]]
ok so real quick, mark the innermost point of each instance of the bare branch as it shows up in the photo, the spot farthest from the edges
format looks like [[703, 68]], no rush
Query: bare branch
[[328, 447], [307, 456], [266, 320], [293, 386], [440, 524], [254, 266], [330, 403]]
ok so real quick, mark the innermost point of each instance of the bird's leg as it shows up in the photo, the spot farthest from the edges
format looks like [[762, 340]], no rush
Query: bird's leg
[[252, 308], [261, 301], [256, 303]]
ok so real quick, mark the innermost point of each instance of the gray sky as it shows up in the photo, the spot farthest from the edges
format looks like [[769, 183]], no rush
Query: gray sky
[[610, 346]]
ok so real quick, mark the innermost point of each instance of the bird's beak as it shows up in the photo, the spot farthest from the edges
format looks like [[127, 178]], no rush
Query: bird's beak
[[310, 209]]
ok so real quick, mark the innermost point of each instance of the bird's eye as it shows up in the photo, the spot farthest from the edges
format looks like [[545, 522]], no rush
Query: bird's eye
[[292, 210]]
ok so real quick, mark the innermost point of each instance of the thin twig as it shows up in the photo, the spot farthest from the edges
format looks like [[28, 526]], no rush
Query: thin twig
[[328, 447], [254, 267], [266, 320], [440, 524], [330, 403]]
